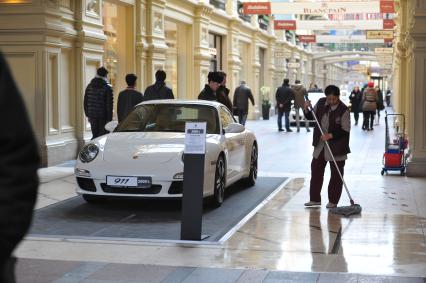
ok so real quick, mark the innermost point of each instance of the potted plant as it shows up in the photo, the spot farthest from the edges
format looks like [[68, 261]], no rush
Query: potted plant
[[266, 104]]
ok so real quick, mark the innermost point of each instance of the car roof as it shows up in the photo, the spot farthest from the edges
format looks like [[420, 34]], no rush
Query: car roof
[[183, 101]]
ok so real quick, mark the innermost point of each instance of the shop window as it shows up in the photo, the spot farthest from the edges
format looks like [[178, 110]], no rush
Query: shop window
[[220, 4], [263, 21], [241, 15], [118, 47], [215, 45], [171, 64]]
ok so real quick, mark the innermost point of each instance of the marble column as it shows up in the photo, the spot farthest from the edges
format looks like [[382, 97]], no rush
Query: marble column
[[202, 56], [416, 103]]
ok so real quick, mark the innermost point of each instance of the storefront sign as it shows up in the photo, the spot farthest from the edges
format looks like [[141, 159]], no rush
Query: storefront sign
[[359, 67], [388, 24], [346, 39], [285, 24], [379, 34], [293, 65], [305, 8], [383, 50], [339, 25], [387, 7], [307, 38], [213, 51], [257, 8]]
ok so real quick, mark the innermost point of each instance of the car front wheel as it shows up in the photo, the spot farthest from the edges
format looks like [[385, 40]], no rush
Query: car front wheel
[[251, 179], [219, 182]]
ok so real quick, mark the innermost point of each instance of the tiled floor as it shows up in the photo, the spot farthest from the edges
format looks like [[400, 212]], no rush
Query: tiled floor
[[282, 238]]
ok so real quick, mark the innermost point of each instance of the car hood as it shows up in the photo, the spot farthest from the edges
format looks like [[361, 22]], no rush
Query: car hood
[[146, 147]]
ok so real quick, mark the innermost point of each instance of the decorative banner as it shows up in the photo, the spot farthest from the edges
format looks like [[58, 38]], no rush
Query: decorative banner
[[318, 8], [285, 24], [379, 34], [383, 50], [388, 24], [257, 8], [346, 39], [333, 25], [308, 38]]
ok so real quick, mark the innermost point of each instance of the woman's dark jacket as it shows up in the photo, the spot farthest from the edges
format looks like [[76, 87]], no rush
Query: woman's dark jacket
[[207, 94], [339, 144], [355, 99]]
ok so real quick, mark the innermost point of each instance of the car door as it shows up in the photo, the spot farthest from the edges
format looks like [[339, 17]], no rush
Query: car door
[[235, 145]]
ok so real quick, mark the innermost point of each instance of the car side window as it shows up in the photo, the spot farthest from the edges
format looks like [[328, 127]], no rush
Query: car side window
[[225, 117]]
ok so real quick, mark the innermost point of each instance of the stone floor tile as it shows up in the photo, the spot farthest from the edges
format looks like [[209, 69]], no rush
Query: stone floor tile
[[214, 275], [389, 279], [42, 271], [337, 278], [253, 276], [290, 277], [133, 272], [179, 275]]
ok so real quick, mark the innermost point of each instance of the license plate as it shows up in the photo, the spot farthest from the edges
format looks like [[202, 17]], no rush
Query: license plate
[[129, 181]]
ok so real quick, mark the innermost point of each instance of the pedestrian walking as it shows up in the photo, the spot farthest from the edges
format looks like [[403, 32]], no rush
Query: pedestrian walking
[[98, 102], [209, 91], [334, 117], [18, 166], [369, 106], [223, 93], [158, 90], [355, 99], [128, 98], [284, 96], [299, 103], [388, 97], [380, 103], [242, 95]]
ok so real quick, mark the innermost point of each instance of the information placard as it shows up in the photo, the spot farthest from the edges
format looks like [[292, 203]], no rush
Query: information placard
[[195, 138]]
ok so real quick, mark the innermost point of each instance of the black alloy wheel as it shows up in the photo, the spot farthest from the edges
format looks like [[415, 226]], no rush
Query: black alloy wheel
[[219, 182], [251, 179]]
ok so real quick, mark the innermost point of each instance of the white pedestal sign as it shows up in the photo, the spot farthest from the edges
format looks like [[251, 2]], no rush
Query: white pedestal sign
[[195, 138]]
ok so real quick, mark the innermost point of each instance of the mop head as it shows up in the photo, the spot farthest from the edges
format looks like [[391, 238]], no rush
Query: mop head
[[347, 210]]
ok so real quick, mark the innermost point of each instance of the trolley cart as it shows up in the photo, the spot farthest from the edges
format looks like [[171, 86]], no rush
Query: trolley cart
[[394, 157]]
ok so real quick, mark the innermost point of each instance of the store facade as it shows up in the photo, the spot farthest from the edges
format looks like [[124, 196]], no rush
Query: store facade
[[54, 48]]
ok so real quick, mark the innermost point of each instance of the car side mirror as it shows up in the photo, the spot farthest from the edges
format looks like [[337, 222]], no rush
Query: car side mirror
[[110, 126], [234, 128]]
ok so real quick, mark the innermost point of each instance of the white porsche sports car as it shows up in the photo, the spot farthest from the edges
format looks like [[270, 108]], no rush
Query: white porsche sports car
[[143, 155]]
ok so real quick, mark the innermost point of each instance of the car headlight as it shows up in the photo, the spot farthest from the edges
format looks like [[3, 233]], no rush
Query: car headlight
[[88, 153]]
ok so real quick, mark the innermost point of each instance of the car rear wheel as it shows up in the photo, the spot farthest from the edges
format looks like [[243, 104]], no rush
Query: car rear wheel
[[251, 179], [219, 182], [94, 199]]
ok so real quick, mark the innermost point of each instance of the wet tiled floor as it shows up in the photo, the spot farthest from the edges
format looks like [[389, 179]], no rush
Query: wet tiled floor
[[282, 237]]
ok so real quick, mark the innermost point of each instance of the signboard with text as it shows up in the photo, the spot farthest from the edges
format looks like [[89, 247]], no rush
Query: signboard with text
[[308, 38], [379, 34], [318, 8], [195, 138]]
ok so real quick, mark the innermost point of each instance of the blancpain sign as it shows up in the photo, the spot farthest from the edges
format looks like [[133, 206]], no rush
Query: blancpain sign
[[325, 7]]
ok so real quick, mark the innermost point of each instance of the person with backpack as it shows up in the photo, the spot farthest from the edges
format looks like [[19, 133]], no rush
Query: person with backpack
[[369, 106]]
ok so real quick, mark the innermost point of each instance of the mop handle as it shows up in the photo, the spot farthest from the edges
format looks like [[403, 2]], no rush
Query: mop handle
[[329, 149]]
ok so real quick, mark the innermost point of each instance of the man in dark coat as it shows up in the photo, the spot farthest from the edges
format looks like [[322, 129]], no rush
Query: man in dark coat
[[242, 95], [334, 117], [209, 91], [284, 96], [158, 90], [19, 161], [355, 99], [299, 103], [98, 103], [223, 93], [128, 98]]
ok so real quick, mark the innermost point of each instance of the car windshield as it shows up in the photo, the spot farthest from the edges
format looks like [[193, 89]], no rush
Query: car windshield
[[169, 118]]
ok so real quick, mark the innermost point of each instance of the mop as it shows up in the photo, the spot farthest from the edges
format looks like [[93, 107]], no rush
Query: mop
[[343, 210]]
